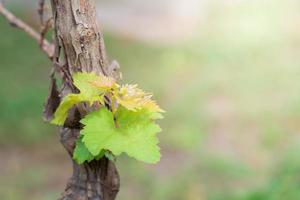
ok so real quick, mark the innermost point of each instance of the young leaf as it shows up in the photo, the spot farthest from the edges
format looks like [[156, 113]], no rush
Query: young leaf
[[135, 134], [98, 124], [110, 156], [133, 98], [91, 85], [61, 112], [128, 128], [100, 155], [81, 153], [88, 93]]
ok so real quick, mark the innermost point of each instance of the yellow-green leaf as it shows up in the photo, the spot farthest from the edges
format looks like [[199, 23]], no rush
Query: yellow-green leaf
[[61, 112], [134, 134], [81, 153], [88, 93], [133, 98]]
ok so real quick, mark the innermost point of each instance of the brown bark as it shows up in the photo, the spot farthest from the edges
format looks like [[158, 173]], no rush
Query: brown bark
[[79, 46], [97, 180]]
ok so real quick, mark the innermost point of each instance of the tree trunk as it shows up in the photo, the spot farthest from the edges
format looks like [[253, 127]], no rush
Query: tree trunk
[[97, 180], [79, 46]]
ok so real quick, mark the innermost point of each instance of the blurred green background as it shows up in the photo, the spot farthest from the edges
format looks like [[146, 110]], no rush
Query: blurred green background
[[231, 90]]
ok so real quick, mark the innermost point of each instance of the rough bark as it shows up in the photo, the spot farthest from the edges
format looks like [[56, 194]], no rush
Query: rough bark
[[79, 46], [97, 180]]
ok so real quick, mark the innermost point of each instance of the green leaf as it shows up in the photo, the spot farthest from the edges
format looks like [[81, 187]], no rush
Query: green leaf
[[109, 156], [97, 124], [135, 133], [100, 155], [61, 112], [81, 153], [87, 94], [84, 83]]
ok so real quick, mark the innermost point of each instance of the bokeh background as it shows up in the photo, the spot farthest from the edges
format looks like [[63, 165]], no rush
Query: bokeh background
[[227, 73]]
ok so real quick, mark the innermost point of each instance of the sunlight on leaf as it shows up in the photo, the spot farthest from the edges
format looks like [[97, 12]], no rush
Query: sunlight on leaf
[[135, 135], [133, 98]]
